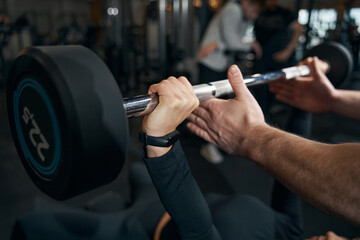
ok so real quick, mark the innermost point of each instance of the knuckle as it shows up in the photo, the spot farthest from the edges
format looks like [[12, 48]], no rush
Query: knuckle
[[163, 85], [196, 102], [164, 82], [151, 89], [171, 78], [183, 79]]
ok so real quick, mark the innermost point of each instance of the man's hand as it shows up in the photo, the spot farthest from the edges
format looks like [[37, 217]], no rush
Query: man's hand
[[313, 93], [283, 55], [227, 123], [176, 101], [257, 49]]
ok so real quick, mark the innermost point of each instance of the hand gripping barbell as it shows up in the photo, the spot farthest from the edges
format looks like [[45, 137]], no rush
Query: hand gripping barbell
[[69, 120]]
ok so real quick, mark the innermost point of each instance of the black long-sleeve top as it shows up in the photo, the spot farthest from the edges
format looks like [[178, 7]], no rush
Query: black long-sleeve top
[[235, 217], [181, 195]]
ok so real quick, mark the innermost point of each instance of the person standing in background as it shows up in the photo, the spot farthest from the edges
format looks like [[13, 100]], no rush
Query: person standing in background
[[278, 32], [226, 31]]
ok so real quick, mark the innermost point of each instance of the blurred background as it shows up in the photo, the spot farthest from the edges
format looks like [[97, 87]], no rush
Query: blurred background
[[143, 42]]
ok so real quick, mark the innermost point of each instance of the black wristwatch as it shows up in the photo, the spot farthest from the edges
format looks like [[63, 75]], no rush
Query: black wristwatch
[[164, 141]]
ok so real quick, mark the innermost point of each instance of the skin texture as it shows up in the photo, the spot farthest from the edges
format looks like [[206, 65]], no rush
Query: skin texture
[[216, 111], [324, 175], [176, 101], [315, 93]]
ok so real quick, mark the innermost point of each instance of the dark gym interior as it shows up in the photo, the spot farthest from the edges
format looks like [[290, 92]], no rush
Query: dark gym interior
[[143, 42]]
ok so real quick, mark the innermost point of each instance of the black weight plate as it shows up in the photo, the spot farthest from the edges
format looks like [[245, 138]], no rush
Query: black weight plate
[[67, 119], [338, 57]]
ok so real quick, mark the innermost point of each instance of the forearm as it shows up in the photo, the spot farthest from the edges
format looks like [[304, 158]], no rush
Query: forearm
[[181, 195], [297, 32], [325, 175], [346, 103]]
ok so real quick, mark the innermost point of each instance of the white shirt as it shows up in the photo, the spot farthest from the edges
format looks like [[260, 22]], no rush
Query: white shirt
[[228, 29]]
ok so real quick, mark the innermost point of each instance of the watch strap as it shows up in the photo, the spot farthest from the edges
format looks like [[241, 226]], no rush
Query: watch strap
[[164, 141]]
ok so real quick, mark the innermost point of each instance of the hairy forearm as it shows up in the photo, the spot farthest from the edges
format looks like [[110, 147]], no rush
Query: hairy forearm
[[346, 103], [325, 175]]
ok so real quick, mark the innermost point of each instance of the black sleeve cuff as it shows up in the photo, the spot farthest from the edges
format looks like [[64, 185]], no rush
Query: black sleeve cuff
[[175, 155]]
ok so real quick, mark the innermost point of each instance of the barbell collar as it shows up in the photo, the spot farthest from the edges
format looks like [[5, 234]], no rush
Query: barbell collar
[[145, 104]]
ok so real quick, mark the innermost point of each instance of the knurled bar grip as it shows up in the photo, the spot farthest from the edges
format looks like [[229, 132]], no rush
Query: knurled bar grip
[[144, 104]]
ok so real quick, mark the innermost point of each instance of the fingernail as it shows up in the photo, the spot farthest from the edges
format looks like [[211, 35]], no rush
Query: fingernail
[[234, 70]]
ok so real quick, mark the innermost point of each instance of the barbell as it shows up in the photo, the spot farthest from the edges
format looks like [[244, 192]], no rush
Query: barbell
[[69, 120]]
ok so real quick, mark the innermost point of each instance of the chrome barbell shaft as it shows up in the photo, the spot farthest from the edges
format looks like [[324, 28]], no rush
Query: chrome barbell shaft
[[144, 104]]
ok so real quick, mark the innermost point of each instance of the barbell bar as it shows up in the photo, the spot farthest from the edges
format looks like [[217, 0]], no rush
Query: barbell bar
[[336, 56], [144, 104], [69, 120]]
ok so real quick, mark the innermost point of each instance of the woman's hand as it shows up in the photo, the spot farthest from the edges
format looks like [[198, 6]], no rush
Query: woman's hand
[[208, 49], [176, 102]]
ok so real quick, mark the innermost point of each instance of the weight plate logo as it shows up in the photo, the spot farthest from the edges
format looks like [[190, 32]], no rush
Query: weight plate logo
[[37, 127]]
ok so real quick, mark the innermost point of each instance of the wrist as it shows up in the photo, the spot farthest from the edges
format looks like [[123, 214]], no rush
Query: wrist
[[157, 131], [334, 99], [157, 143], [253, 143], [155, 152]]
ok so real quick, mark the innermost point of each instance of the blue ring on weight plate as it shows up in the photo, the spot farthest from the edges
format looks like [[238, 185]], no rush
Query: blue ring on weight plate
[[49, 170]]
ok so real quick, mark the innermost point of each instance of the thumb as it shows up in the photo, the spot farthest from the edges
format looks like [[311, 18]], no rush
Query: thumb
[[236, 81], [318, 73]]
